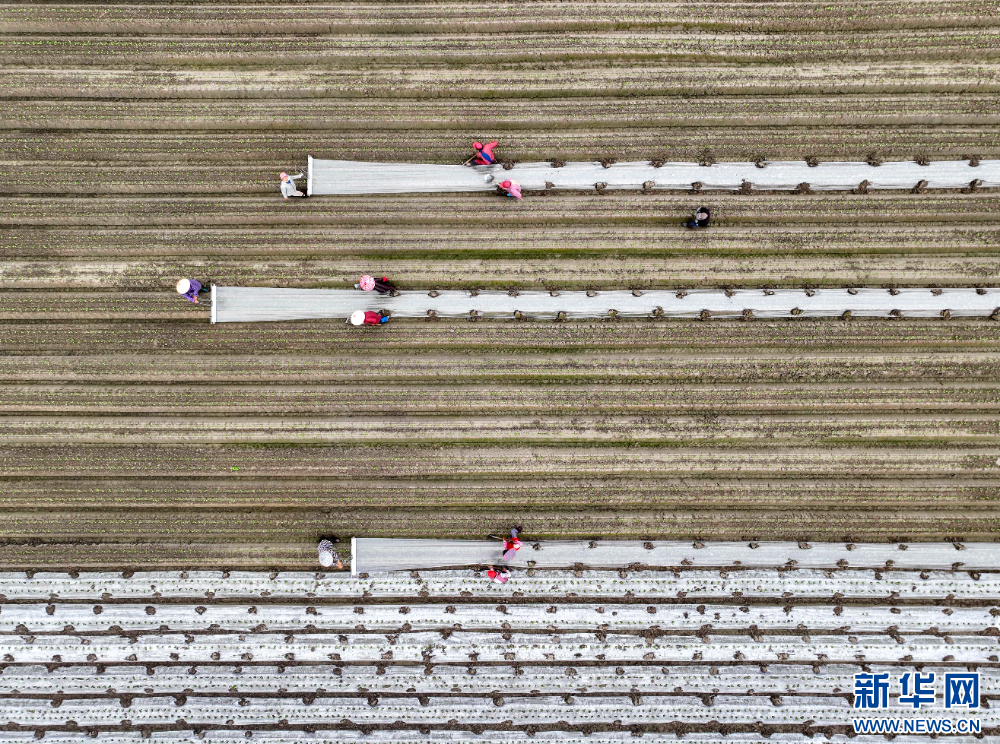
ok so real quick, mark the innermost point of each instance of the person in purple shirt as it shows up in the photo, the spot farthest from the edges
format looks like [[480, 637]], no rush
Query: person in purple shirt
[[191, 288]]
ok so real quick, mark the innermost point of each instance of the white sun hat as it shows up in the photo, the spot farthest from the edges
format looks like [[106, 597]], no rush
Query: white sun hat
[[358, 317], [326, 553], [183, 286]]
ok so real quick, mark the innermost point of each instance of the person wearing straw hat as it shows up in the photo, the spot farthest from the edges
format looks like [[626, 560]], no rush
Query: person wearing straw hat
[[382, 285], [288, 185], [367, 317], [513, 188], [327, 555], [191, 288]]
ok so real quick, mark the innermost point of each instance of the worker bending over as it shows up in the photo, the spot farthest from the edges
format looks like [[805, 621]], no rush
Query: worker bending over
[[513, 188], [367, 317], [484, 153]]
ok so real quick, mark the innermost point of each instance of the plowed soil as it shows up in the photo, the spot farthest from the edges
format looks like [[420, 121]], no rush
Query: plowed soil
[[141, 142]]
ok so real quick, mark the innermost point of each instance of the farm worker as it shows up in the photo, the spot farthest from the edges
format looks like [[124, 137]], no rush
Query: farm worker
[[327, 555], [368, 317], [510, 544], [499, 577], [702, 218], [513, 189], [191, 288], [382, 285], [288, 185], [484, 153]]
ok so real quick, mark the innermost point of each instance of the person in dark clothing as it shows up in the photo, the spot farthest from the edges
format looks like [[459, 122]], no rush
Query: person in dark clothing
[[702, 218], [384, 286]]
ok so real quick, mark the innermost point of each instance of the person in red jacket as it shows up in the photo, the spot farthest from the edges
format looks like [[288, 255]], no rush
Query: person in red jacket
[[484, 153], [499, 577], [367, 317]]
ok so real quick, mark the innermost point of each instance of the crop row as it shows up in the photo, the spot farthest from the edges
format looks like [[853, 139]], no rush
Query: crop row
[[428, 651], [760, 430], [815, 713], [601, 351], [624, 492], [579, 615], [359, 461], [724, 580], [144, 536], [505, 117], [577, 80], [373, 244], [435, 50], [480, 212], [607, 272], [219, 161], [309, 19], [456, 398], [392, 734], [392, 678]]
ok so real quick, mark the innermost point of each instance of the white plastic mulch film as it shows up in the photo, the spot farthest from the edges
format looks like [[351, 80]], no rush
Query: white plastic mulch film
[[354, 177], [249, 304]]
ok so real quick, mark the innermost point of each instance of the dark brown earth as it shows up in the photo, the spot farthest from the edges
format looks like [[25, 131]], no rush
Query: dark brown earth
[[142, 143]]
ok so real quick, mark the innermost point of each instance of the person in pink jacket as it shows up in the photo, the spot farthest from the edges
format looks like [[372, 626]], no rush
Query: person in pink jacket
[[513, 189], [484, 153]]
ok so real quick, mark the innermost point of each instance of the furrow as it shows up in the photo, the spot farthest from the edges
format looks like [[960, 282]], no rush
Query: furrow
[[763, 431], [429, 648], [451, 273], [752, 585], [293, 680], [505, 116], [403, 244], [27, 362], [435, 49], [623, 492], [612, 211], [458, 399], [77, 163], [471, 81]]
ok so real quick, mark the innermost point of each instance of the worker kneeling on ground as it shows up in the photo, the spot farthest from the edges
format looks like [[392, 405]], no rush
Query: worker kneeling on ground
[[368, 317], [190, 289], [327, 555], [702, 218], [499, 577], [484, 153]]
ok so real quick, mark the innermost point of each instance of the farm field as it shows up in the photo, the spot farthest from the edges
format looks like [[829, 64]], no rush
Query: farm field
[[141, 142], [723, 655]]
